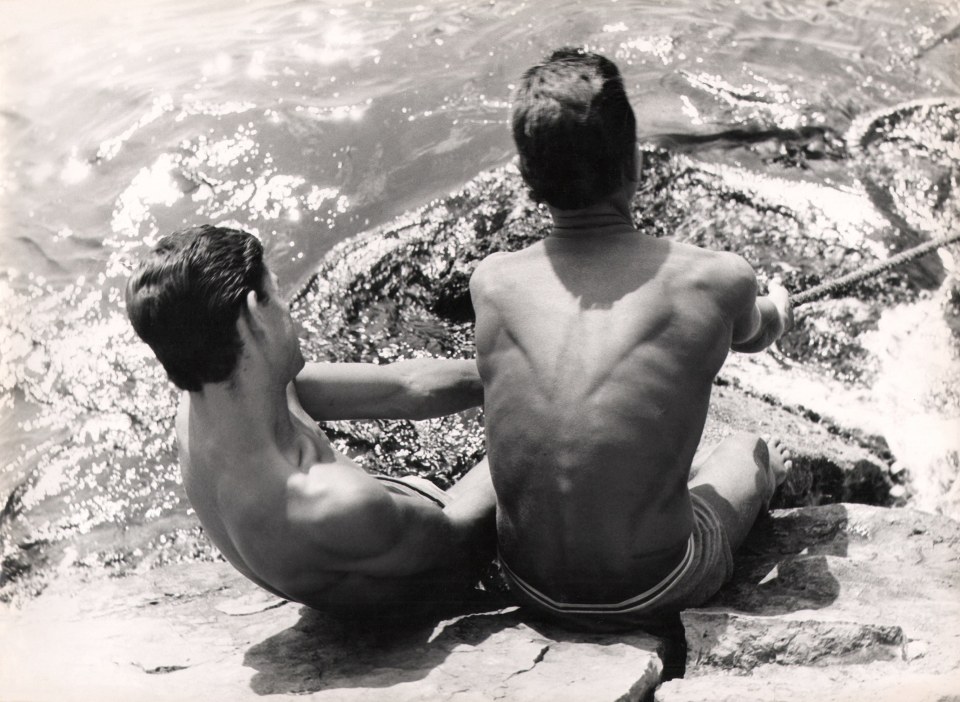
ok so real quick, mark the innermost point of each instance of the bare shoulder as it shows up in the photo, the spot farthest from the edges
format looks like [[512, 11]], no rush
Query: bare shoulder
[[497, 270], [732, 281], [497, 263], [720, 271], [326, 489], [725, 278]]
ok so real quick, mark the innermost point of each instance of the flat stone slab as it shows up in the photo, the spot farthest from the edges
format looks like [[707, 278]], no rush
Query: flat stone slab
[[201, 632], [840, 602]]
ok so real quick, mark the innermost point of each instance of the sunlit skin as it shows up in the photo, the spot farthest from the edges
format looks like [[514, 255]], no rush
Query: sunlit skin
[[298, 517], [598, 347]]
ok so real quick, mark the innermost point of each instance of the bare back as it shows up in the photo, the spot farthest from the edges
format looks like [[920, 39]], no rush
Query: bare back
[[242, 501], [272, 512], [598, 357]]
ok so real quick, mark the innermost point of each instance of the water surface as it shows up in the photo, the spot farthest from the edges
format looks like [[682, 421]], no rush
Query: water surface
[[307, 122]]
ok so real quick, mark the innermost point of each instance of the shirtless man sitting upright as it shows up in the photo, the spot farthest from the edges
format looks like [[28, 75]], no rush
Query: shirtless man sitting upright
[[286, 508], [598, 347]]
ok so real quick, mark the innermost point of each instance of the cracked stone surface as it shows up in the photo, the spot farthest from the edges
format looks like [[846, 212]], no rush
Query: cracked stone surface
[[838, 602], [200, 631]]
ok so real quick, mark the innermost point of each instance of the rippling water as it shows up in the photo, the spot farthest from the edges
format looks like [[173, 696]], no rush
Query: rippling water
[[307, 123]]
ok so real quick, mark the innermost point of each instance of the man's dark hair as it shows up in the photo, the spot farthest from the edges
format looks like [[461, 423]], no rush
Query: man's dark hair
[[574, 129], [185, 298]]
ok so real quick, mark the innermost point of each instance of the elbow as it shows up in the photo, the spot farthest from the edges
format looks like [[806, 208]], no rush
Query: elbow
[[766, 335]]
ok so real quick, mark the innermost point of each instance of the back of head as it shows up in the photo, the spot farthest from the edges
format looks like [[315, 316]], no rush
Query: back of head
[[185, 298], [574, 129]]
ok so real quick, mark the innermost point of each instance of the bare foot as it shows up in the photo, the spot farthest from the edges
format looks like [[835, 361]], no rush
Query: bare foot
[[780, 462]]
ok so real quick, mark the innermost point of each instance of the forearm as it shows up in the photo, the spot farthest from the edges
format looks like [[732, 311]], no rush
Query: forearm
[[437, 387], [412, 389], [774, 321]]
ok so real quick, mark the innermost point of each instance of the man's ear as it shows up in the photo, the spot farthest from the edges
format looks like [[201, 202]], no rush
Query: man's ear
[[250, 321]]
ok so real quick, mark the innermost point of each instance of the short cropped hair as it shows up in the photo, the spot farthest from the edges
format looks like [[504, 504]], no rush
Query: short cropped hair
[[575, 131], [186, 296]]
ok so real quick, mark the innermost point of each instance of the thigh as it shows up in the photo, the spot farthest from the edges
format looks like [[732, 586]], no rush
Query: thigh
[[734, 478]]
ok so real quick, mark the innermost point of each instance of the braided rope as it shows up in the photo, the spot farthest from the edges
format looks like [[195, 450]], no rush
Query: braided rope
[[870, 271]]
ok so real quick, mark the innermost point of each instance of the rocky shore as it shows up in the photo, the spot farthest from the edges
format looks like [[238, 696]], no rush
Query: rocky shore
[[849, 590], [838, 602]]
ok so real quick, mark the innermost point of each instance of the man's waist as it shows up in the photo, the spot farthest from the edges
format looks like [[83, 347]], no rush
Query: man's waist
[[605, 589], [595, 575]]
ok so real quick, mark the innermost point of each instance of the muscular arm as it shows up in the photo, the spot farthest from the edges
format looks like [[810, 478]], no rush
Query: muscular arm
[[413, 389], [756, 321], [763, 322]]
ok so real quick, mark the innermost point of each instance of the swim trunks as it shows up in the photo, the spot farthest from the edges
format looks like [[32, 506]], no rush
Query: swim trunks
[[706, 565], [414, 486]]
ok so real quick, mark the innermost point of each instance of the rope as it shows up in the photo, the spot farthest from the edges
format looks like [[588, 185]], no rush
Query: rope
[[851, 279]]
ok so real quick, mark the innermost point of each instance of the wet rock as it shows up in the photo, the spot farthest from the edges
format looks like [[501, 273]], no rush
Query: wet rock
[[402, 290]]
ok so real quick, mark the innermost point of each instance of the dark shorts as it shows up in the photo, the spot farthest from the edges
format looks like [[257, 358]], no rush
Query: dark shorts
[[415, 486], [705, 567]]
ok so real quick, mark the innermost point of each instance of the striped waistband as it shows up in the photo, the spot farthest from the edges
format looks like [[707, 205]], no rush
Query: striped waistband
[[644, 600]]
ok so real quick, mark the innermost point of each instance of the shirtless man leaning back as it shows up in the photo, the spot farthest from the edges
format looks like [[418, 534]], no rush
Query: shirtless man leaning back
[[598, 347], [286, 508]]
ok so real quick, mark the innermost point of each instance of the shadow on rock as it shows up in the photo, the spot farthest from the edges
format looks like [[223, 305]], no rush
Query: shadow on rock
[[324, 651], [783, 566]]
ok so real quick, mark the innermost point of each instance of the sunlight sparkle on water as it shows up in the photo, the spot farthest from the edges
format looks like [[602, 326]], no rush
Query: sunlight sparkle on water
[[111, 147], [75, 170], [257, 69], [658, 46], [151, 186], [221, 64], [338, 113], [690, 110], [338, 45]]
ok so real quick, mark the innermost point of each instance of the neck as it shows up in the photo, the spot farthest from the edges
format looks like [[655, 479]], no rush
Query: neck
[[608, 217], [248, 413]]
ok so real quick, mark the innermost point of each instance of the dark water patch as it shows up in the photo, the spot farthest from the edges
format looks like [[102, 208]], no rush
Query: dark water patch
[[792, 148], [951, 308]]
